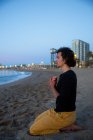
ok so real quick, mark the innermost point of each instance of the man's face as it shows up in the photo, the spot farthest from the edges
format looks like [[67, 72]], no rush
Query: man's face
[[59, 61]]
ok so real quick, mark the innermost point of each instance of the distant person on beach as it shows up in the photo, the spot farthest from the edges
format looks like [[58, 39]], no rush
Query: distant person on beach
[[63, 116]]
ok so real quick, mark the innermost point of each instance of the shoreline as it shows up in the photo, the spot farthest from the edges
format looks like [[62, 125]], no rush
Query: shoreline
[[33, 74], [23, 100], [15, 78]]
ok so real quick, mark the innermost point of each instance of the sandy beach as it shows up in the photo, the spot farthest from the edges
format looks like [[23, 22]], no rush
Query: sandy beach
[[22, 101]]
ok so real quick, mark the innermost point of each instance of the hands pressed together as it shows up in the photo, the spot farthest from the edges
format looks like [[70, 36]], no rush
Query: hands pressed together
[[52, 85], [53, 82]]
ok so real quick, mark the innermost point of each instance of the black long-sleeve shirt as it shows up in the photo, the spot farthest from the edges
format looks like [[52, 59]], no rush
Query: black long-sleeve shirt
[[66, 87]]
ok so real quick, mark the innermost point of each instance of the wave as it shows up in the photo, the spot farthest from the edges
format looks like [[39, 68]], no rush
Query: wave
[[7, 76]]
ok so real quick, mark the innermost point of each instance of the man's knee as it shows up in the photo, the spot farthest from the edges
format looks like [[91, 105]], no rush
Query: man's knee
[[32, 131]]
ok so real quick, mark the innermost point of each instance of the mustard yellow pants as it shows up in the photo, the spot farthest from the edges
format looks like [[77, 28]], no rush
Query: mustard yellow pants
[[51, 121]]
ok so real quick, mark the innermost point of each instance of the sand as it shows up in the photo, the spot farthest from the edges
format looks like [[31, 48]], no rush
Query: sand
[[22, 101]]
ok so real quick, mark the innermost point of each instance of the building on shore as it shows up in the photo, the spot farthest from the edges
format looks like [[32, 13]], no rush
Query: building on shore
[[53, 57], [81, 50]]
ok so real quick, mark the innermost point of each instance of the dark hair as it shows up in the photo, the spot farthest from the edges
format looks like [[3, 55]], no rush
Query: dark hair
[[68, 56]]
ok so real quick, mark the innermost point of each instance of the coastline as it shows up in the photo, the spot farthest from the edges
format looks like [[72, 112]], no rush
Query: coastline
[[9, 76], [22, 100]]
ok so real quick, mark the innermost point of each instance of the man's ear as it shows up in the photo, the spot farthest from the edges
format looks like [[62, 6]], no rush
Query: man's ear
[[64, 61]]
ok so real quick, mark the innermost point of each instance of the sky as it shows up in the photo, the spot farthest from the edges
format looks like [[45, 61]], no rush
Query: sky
[[30, 28]]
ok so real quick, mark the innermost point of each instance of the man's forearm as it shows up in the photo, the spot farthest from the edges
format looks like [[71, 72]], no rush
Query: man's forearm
[[54, 91]]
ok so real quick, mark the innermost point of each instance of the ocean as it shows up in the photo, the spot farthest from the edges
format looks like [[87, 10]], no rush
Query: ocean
[[8, 76]]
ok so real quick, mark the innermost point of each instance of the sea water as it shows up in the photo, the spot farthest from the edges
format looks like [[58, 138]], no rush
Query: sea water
[[8, 76]]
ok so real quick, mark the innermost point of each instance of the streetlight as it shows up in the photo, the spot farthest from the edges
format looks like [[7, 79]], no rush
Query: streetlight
[[77, 60]]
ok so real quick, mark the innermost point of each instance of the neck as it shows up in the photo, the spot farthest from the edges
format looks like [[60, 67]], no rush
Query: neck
[[65, 68]]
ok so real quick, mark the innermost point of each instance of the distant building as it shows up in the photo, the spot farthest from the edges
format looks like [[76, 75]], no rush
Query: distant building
[[81, 50], [53, 57]]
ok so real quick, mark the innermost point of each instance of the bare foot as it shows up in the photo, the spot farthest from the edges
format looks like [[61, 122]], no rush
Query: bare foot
[[73, 127]]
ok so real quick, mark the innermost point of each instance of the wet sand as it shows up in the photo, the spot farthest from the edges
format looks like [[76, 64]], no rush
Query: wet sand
[[22, 101]]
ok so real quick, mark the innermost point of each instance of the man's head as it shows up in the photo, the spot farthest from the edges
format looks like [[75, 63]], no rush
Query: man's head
[[65, 56]]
